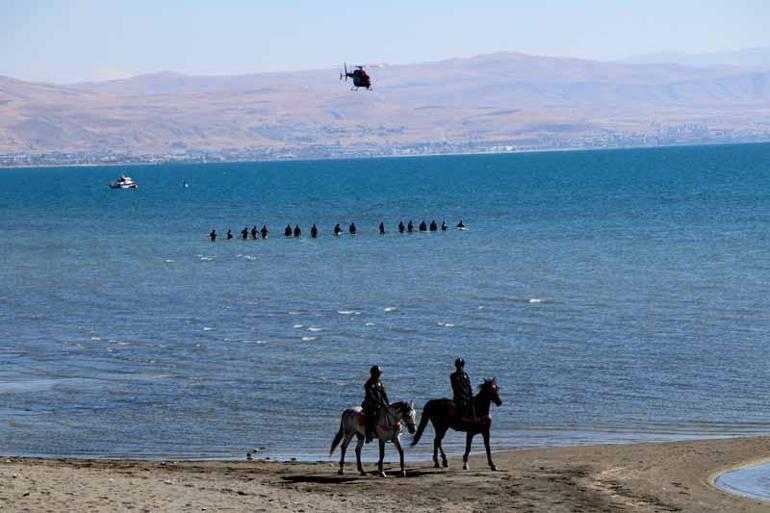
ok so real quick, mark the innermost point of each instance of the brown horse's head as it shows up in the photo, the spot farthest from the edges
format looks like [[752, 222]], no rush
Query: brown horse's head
[[491, 389]]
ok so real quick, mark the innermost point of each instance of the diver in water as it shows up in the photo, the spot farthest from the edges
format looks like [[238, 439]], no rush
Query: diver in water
[[401, 227], [265, 231], [245, 233], [382, 228], [213, 235], [423, 226], [410, 226], [254, 232], [443, 226], [433, 226], [287, 231], [460, 225], [314, 231], [229, 234], [352, 228], [297, 231], [337, 230]]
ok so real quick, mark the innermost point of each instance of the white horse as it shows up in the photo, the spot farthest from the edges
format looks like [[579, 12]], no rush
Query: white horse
[[388, 429]]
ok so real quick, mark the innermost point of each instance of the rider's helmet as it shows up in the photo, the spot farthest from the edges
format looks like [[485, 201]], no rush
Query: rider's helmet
[[459, 363], [375, 371]]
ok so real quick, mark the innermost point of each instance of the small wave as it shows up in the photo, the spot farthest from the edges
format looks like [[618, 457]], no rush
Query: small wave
[[258, 342], [249, 257], [170, 261], [369, 324], [445, 324], [309, 339], [349, 312], [96, 338], [314, 329], [298, 326], [206, 259], [208, 328], [297, 312], [536, 300], [391, 309]]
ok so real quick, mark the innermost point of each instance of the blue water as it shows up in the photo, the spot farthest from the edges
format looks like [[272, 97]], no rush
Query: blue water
[[752, 482], [616, 296]]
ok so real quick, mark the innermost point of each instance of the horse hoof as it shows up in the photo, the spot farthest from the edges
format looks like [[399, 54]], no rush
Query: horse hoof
[[382, 474], [362, 473], [436, 465], [340, 472], [445, 463], [466, 467], [493, 467], [403, 473]]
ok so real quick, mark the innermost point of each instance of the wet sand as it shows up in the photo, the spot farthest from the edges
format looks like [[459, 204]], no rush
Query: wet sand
[[644, 477]]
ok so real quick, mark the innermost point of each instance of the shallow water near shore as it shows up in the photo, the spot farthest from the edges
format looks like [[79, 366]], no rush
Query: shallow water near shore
[[616, 296], [752, 482]]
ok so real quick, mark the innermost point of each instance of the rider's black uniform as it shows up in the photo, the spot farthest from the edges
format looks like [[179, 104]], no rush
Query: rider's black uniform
[[375, 400], [462, 392]]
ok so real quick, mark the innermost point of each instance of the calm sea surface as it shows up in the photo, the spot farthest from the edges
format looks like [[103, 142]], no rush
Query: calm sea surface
[[615, 295]]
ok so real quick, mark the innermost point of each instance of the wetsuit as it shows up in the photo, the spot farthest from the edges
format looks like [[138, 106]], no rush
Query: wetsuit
[[213, 235], [352, 228], [337, 230], [382, 229], [423, 227], [433, 226], [254, 232], [229, 235], [410, 227], [314, 231], [400, 227], [287, 231], [374, 401], [265, 231], [245, 233], [297, 231]]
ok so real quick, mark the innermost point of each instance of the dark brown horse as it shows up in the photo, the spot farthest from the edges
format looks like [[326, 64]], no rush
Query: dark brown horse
[[443, 414]]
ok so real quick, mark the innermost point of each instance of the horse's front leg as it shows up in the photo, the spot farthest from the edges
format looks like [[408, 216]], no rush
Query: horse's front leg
[[382, 457], [359, 444], [343, 449], [397, 443], [468, 440], [438, 448], [485, 434]]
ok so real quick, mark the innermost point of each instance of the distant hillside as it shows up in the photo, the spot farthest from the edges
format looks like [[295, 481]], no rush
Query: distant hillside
[[752, 57], [513, 100]]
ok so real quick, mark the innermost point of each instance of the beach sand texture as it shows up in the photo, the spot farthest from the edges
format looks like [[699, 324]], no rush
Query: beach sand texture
[[643, 477]]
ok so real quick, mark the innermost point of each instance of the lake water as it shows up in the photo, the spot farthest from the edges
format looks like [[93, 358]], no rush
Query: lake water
[[616, 296]]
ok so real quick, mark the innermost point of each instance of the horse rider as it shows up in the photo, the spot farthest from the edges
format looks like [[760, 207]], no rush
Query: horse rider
[[462, 392], [376, 399]]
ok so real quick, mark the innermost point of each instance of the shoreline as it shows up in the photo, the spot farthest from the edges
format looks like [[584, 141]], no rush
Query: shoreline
[[647, 477], [364, 157]]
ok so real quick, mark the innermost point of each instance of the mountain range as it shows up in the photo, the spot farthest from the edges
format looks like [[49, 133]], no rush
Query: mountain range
[[502, 100]]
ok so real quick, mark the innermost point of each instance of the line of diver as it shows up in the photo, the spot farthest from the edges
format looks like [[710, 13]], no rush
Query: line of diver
[[264, 232]]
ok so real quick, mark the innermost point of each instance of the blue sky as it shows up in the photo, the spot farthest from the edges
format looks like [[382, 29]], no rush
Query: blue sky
[[67, 41]]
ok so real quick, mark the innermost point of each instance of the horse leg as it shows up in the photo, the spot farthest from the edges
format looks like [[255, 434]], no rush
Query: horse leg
[[468, 440], [382, 457], [400, 449], [440, 432], [359, 444], [343, 448], [485, 434]]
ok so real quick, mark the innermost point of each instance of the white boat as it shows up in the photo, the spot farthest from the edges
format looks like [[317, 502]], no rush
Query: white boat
[[124, 182]]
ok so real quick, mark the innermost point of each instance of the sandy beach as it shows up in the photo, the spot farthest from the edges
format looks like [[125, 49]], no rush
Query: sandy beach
[[643, 477]]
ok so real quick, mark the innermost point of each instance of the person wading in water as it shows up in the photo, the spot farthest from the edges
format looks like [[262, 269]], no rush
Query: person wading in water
[[375, 400], [462, 392]]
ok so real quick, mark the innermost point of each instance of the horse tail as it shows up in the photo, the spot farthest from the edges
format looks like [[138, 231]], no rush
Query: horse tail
[[338, 436], [424, 418]]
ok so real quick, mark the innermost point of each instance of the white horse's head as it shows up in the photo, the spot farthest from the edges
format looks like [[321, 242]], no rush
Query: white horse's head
[[410, 417]]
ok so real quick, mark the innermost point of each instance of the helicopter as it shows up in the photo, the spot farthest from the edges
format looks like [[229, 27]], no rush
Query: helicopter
[[359, 76]]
